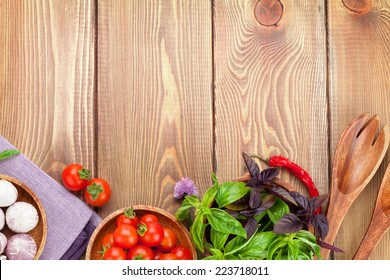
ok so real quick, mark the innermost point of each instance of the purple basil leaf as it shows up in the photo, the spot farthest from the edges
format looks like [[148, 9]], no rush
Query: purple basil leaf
[[232, 213], [329, 247], [255, 198], [250, 227], [282, 194], [320, 224], [253, 212], [302, 213], [287, 224], [241, 200], [269, 174], [251, 165], [302, 201], [319, 200], [253, 182], [267, 204]]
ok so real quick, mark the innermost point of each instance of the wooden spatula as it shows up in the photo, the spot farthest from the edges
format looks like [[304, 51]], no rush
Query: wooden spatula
[[380, 221]]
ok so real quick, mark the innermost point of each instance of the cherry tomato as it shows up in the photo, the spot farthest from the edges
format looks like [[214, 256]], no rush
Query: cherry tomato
[[128, 217], [114, 253], [168, 256], [157, 253], [98, 192], [150, 233], [169, 241], [108, 240], [148, 218], [182, 253], [75, 177], [125, 236], [140, 252]]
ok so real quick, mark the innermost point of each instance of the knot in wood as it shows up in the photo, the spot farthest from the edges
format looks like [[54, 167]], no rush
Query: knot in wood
[[268, 12], [358, 6]]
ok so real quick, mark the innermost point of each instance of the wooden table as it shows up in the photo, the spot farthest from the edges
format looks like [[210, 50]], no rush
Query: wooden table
[[146, 92]]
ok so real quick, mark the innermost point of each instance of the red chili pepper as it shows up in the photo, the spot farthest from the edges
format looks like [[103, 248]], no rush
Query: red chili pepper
[[298, 172]]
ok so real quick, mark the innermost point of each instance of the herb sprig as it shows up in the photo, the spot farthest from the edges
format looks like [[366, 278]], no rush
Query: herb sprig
[[8, 153], [255, 220]]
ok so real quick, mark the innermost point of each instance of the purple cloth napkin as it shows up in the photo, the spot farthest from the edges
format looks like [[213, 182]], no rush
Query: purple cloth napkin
[[70, 221]]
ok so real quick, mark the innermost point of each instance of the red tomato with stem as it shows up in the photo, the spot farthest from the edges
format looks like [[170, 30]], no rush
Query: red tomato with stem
[[169, 241], [149, 218], [140, 252], [125, 236], [114, 253], [128, 217], [168, 256], [150, 233], [182, 252], [75, 177], [98, 192]]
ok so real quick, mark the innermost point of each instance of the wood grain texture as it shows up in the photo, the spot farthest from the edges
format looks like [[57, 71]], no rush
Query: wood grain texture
[[155, 99], [359, 67], [270, 88], [47, 81]]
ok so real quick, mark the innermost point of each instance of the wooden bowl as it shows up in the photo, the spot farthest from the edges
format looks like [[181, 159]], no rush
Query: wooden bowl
[[164, 217], [39, 233]]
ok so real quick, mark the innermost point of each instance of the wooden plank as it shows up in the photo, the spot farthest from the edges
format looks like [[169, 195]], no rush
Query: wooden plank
[[47, 81], [154, 99], [359, 83], [270, 86]]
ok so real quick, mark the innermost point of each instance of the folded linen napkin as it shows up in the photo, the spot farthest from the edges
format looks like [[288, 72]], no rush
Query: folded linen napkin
[[70, 221]]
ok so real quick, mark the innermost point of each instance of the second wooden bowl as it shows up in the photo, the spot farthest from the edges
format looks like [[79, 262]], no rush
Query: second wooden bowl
[[164, 217]]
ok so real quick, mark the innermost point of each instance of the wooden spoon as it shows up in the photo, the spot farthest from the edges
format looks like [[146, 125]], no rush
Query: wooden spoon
[[359, 153], [380, 221]]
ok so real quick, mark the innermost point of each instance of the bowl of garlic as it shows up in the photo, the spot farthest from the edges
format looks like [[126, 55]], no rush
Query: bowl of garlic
[[23, 226]]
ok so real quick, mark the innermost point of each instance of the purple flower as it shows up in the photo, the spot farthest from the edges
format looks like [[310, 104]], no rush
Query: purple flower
[[185, 187]]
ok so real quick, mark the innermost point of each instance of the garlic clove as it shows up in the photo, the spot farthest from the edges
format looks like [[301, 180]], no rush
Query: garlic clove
[[8, 193], [21, 247], [21, 217], [2, 219], [3, 242]]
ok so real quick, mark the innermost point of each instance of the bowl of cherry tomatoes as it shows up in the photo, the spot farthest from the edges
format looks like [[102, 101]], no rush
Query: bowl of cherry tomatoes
[[140, 232]]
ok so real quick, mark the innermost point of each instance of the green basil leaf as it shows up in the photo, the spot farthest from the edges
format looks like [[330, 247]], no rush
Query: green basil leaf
[[218, 238], [230, 192], [278, 210], [212, 258], [233, 258], [210, 194], [183, 212], [223, 222], [293, 250], [8, 153], [304, 256], [309, 239], [276, 247], [197, 232], [193, 200], [234, 244], [257, 247], [216, 252], [279, 256], [307, 235]]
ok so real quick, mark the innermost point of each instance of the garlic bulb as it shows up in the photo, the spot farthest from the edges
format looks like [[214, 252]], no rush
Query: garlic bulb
[[8, 193], [3, 242], [21, 217], [21, 247], [2, 219]]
